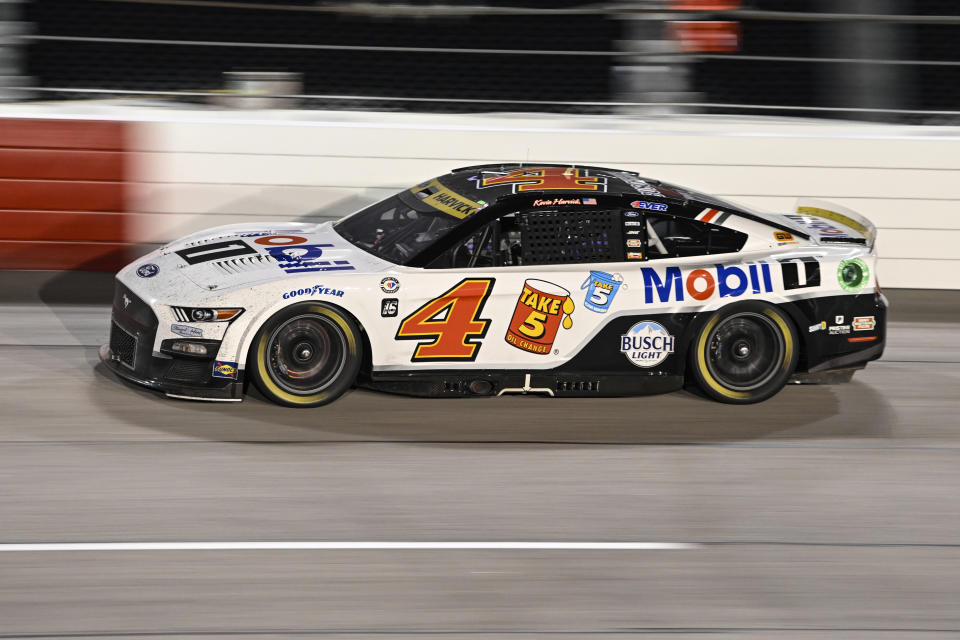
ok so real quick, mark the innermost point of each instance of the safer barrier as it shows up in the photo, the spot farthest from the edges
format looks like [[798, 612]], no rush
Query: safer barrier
[[192, 169], [63, 194]]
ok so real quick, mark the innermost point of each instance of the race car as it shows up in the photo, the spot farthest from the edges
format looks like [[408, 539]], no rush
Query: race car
[[508, 279]]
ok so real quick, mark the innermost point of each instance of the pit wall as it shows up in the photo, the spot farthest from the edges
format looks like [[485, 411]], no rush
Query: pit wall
[[181, 171]]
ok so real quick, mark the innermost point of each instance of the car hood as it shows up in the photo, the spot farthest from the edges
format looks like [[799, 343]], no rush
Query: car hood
[[245, 254]]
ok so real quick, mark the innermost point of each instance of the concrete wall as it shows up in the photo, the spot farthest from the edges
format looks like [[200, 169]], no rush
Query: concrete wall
[[195, 169]]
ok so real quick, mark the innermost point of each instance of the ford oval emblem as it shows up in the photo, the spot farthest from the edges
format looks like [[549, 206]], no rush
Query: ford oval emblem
[[148, 270]]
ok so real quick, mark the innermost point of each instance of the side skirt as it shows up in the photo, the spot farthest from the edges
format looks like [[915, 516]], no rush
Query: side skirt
[[460, 384]]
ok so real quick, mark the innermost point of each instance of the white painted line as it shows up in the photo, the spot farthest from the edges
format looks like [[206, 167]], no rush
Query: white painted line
[[319, 545]]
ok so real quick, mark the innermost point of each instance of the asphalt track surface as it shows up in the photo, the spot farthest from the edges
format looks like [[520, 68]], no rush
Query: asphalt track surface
[[827, 512]]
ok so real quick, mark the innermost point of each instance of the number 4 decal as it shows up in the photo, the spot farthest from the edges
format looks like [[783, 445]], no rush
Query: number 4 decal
[[450, 325]]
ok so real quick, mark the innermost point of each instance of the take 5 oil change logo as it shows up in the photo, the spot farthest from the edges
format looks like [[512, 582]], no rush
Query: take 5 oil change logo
[[541, 308], [646, 344]]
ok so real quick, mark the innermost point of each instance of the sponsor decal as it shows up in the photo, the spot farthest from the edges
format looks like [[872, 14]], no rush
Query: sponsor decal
[[601, 288], [640, 186], [863, 339], [224, 369], [389, 307], [818, 327], [544, 179], [316, 290], [305, 258], [449, 327], [823, 227], [261, 234], [633, 232], [634, 255], [796, 278], [389, 285], [541, 308], [147, 271], [647, 344], [864, 323], [632, 223], [126, 301], [216, 251], [841, 330], [836, 217], [632, 214], [837, 319], [280, 241], [590, 201], [783, 236], [556, 202], [853, 275], [635, 242], [650, 206], [186, 331], [671, 285]]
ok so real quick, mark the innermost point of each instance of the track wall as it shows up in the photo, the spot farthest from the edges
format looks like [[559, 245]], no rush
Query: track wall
[[194, 169]]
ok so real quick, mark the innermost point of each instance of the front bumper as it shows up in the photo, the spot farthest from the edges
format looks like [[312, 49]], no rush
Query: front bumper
[[214, 390], [131, 356]]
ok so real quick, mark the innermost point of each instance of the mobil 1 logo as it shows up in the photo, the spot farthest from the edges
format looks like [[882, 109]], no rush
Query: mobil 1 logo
[[800, 273], [389, 307]]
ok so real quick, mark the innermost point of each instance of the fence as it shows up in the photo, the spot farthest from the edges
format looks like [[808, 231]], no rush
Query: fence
[[568, 56]]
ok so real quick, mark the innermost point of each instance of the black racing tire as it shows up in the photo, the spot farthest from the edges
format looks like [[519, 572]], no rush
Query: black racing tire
[[307, 355], [744, 353]]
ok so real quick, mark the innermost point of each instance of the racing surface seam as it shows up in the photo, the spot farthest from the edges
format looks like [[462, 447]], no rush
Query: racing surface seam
[[495, 632], [572, 443], [692, 546]]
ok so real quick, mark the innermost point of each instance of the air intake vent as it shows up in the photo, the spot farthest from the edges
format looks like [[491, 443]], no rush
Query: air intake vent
[[123, 345], [245, 264]]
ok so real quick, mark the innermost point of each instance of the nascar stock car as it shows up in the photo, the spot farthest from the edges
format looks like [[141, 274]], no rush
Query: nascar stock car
[[513, 278]]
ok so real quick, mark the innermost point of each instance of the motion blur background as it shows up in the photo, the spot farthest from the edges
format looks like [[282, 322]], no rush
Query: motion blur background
[[825, 512], [894, 60], [129, 123]]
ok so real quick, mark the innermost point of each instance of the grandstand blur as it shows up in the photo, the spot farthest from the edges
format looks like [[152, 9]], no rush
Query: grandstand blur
[[893, 60]]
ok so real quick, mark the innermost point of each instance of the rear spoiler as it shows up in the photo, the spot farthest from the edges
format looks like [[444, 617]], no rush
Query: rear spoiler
[[830, 222]]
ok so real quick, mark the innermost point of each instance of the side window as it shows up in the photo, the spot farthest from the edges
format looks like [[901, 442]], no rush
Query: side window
[[672, 237], [496, 244]]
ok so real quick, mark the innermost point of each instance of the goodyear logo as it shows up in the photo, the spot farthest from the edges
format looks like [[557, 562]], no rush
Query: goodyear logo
[[223, 369], [449, 202]]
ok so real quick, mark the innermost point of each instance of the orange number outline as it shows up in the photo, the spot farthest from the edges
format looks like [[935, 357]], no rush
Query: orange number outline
[[419, 326], [548, 179]]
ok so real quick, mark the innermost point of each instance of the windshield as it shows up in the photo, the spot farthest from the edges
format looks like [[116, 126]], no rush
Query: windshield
[[395, 231]]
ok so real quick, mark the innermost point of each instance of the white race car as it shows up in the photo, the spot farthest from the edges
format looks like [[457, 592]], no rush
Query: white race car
[[493, 279]]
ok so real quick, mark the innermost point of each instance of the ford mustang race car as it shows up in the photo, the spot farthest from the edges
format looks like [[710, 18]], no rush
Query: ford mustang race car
[[513, 278]]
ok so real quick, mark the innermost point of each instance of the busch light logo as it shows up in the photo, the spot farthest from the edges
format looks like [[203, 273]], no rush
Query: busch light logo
[[306, 257], [601, 288], [646, 344]]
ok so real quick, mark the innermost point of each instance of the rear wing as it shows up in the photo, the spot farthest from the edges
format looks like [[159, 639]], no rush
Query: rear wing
[[828, 222]]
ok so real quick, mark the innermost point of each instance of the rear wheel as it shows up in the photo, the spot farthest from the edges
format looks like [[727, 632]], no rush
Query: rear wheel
[[306, 356], [745, 353]]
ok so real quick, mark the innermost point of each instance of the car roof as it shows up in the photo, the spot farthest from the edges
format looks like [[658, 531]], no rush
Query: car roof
[[466, 190]]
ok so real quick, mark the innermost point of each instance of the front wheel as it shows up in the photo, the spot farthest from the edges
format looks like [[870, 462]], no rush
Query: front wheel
[[306, 356], [745, 353]]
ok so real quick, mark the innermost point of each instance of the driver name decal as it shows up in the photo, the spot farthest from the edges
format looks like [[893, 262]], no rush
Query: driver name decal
[[447, 201]]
